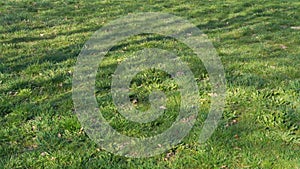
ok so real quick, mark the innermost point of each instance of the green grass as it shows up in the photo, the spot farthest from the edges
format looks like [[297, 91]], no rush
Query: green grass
[[259, 50]]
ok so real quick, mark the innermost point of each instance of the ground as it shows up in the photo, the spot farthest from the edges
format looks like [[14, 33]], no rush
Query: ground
[[257, 41]]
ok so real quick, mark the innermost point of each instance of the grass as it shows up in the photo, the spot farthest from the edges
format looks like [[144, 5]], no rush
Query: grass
[[255, 41]]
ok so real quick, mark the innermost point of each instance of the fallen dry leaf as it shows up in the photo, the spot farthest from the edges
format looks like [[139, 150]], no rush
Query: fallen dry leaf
[[223, 167], [134, 101], [283, 46], [295, 27], [44, 153], [163, 107], [169, 155], [33, 128]]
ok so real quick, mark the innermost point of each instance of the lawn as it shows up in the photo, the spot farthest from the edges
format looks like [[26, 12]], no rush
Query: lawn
[[257, 42]]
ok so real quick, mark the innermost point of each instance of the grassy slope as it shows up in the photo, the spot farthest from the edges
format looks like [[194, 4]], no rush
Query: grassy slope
[[41, 40]]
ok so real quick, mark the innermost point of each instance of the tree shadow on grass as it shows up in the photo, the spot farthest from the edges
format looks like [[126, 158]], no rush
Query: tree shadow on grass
[[62, 103]]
